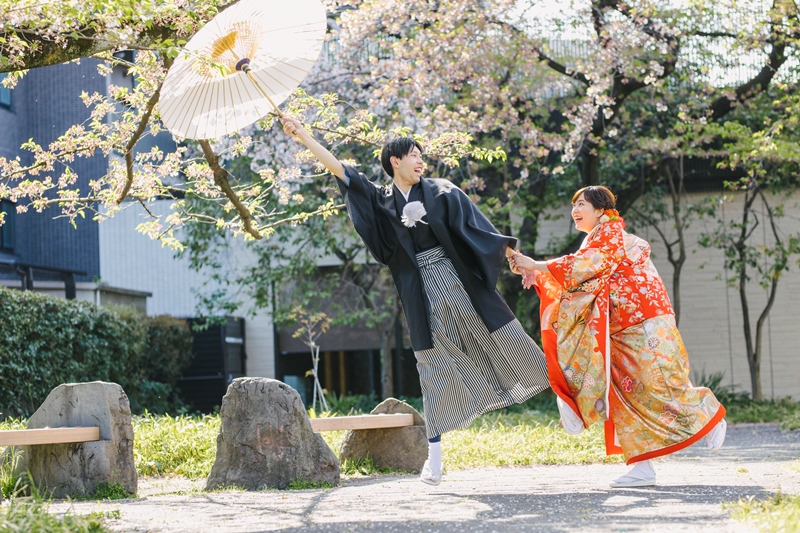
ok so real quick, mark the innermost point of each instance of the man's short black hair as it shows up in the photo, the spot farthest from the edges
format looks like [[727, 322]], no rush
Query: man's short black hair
[[398, 147]]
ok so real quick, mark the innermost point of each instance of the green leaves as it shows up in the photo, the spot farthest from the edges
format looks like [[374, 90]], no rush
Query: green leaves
[[489, 154]]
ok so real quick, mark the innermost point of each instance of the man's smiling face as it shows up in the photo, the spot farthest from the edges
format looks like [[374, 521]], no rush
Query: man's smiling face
[[408, 169]]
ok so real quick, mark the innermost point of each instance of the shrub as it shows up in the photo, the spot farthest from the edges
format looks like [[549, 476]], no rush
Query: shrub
[[49, 341], [167, 351]]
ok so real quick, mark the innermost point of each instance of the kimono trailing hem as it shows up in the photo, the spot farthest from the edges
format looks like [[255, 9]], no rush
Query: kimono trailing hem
[[697, 437]]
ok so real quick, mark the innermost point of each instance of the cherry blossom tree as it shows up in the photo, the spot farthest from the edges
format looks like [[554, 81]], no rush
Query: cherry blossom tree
[[39, 34], [574, 93], [553, 85], [559, 84]]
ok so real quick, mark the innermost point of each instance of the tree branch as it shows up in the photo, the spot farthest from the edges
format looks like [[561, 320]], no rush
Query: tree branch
[[760, 82], [561, 69], [598, 21], [46, 51], [51, 53], [83, 200], [143, 123], [750, 233], [303, 216], [144, 205], [713, 34], [552, 63], [654, 224], [348, 135], [221, 179]]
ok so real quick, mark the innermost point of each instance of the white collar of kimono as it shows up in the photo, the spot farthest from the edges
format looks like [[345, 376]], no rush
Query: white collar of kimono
[[405, 194]]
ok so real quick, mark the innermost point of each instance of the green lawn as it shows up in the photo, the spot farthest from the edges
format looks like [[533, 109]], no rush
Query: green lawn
[[780, 513], [523, 435]]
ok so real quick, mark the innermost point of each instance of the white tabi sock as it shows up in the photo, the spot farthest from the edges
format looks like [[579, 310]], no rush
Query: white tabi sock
[[643, 470], [435, 457], [716, 436]]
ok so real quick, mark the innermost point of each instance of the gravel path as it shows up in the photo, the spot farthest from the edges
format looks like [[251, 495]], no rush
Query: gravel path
[[757, 460]]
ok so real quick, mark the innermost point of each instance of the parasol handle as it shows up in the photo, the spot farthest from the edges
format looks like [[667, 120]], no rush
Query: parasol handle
[[246, 69]]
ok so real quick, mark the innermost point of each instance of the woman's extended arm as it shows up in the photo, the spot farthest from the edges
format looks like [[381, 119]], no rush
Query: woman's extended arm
[[521, 261]]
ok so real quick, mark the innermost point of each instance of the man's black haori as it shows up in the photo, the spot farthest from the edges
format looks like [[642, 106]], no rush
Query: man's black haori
[[476, 248]]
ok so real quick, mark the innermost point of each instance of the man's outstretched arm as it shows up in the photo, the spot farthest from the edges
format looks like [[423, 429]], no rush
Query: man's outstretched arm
[[293, 128]]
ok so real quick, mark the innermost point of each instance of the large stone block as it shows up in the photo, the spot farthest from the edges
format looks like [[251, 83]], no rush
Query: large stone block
[[76, 469], [266, 439], [404, 448]]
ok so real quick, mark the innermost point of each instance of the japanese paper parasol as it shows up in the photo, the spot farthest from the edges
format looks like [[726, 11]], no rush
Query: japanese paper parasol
[[241, 65]]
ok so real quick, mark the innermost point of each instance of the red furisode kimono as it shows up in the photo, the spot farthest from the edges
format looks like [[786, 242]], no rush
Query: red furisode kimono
[[613, 350]]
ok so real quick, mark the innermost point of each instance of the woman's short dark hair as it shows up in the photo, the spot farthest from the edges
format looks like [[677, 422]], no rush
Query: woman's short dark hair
[[399, 148], [600, 197]]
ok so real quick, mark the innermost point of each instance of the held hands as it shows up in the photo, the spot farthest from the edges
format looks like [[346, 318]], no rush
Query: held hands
[[525, 266], [510, 254], [521, 262]]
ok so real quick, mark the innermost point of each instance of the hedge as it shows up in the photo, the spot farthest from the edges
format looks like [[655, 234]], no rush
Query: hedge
[[46, 341]]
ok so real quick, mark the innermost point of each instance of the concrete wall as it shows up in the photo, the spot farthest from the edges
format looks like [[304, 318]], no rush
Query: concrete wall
[[711, 317], [97, 294], [133, 261]]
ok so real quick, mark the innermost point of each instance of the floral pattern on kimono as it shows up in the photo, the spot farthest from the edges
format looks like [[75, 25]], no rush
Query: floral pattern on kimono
[[608, 301]]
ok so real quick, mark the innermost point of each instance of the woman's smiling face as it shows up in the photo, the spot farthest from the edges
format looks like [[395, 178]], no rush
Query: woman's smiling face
[[585, 215]]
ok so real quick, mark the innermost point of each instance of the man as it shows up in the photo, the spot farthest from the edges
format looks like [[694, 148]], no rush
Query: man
[[445, 258]]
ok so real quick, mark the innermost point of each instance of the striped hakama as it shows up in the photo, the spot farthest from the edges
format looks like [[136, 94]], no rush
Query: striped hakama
[[469, 370]]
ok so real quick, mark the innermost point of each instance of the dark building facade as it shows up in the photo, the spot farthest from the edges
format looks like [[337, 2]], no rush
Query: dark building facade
[[45, 103]]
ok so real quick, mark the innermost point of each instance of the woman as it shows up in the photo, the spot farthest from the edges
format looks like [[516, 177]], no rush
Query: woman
[[613, 349]]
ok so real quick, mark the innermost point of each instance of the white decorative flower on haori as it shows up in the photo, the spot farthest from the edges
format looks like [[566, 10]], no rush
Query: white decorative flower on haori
[[413, 213]]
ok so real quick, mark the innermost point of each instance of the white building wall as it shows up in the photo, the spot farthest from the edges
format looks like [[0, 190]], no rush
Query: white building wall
[[131, 260], [711, 314]]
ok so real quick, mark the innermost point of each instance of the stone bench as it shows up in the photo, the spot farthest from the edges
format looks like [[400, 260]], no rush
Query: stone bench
[[30, 437], [81, 436], [267, 440], [396, 439], [381, 421]]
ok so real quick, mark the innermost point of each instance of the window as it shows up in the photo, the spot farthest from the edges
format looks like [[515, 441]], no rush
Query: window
[[120, 74], [7, 229], [5, 94]]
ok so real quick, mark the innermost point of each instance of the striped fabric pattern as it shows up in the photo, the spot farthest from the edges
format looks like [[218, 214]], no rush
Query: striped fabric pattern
[[470, 371]]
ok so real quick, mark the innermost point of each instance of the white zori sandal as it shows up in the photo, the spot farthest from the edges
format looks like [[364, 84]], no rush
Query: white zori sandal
[[642, 474], [428, 476]]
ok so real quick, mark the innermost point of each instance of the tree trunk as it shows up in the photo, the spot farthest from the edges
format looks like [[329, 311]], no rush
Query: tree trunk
[[781, 258], [741, 250], [752, 352], [677, 262], [590, 166]]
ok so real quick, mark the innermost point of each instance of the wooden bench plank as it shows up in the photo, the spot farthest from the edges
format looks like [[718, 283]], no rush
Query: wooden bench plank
[[362, 422], [27, 437]]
